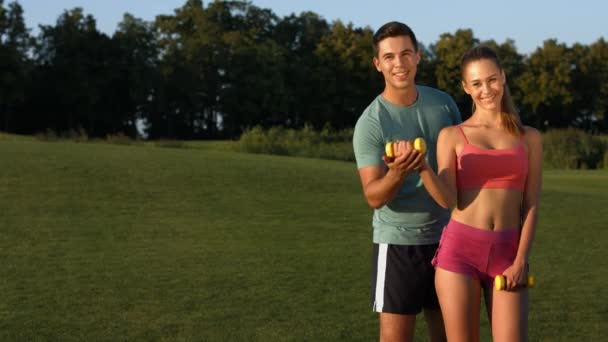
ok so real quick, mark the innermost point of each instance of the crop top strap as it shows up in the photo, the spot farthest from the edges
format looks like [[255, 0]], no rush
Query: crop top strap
[[464, 137]]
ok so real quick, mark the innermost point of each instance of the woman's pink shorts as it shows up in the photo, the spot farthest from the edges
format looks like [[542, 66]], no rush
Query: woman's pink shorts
[[480, 254]]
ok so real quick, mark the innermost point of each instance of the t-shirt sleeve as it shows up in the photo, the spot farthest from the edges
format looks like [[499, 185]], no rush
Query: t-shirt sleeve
[[456, 117], [368, 144]]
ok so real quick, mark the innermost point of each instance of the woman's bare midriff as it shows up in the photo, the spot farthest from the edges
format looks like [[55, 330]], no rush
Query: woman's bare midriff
[[489, 209]]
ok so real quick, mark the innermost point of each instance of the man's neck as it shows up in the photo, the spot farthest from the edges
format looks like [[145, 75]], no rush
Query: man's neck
[[401, 97]]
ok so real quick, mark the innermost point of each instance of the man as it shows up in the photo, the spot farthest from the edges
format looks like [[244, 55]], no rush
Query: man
[[407, 223]]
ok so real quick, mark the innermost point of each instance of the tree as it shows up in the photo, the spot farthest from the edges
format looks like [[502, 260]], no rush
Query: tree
[[221, 70], [348, 78], [253, 89], [209, 72], [136, 76], [590, 85], [187, 71], [299, 36], [427, 68], [513, 65], [546, 85], [15, 44], [448, 51], [73, 70]]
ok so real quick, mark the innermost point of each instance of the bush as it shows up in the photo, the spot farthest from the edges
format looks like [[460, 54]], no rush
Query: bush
[[48, 135], [170, 143], [76, 135], [119, 138], [572, 149], [563, 148], [306, 142]]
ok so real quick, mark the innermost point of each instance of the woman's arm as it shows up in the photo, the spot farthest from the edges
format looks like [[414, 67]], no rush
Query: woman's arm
[[442, 186], [531, 194], [529, 209]]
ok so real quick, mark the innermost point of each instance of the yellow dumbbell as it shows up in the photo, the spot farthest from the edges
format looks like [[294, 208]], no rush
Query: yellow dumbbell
[[419, 145], [500, 282]]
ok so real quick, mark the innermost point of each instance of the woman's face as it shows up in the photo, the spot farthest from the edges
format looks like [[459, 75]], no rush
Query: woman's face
[[484, 82]]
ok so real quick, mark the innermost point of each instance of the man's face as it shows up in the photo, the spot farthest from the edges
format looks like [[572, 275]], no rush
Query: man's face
[[397, 60]]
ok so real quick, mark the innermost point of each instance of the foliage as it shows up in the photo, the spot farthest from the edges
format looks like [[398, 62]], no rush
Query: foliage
[[547, 84], [573, 149], [170, 143], [75, 135], [513, 65], [448, 51], [15, 44], [563, 148], [209, 71], [71, 66], [591, 72], [348, 78], [306, 142], [137, 80], [119, 139]]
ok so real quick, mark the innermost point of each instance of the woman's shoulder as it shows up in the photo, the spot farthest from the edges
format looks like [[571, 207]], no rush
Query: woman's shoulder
[[532, 133], [450, 129], [532, 137], [449, 133]]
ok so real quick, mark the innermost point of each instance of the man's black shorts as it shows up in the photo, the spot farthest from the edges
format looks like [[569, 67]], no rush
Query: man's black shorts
[[403, 279]]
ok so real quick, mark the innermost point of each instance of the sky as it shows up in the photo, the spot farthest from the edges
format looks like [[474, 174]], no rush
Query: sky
[[527, 22]]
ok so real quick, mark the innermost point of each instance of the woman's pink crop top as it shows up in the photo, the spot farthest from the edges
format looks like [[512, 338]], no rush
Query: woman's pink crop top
[[479, 168]]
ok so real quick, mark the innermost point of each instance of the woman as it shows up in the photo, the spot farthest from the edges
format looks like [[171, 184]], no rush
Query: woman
[[489, 170]]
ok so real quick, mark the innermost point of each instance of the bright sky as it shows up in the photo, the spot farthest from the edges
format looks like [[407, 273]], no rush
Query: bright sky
[[527, 22]]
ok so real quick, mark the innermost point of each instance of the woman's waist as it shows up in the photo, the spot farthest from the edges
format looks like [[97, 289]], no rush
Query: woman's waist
[[488, 220], [464, 230], [502, 197], [489, 209]]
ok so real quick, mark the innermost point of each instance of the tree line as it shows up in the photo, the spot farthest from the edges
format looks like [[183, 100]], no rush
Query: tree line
[[211, 71]]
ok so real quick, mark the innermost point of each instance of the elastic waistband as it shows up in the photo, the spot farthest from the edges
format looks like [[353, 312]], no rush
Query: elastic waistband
[[464, 230]]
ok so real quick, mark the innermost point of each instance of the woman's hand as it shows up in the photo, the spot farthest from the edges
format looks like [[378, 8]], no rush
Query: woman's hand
[[516, 276]]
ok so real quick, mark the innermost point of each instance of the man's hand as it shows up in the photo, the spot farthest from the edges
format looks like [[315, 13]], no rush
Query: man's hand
[[406, 159]]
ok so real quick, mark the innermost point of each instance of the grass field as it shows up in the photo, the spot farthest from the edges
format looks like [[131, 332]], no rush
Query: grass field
[[102, 242]]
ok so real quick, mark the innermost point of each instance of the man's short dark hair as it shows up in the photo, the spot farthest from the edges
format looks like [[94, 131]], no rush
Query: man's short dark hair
[[393, 29]]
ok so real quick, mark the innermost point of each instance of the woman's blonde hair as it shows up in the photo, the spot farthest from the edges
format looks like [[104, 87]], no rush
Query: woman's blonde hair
[[509, 117]]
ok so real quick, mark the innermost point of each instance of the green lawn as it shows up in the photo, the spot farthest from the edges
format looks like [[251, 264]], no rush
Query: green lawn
[[102, 242]]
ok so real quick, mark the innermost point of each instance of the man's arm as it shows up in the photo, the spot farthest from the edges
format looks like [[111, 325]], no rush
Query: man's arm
[[382, 182]]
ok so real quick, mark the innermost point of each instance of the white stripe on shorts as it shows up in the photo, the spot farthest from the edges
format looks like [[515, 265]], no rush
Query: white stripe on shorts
[[380, 277]]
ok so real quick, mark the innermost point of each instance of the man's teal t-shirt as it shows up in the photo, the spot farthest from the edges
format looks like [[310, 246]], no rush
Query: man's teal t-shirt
[[412, 217]]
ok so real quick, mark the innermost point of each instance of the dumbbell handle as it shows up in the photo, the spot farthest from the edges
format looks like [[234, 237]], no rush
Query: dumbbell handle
[[418, 143], [500, 282]]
